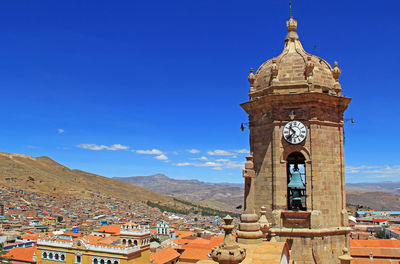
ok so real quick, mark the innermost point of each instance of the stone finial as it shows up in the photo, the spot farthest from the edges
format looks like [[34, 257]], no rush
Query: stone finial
[[228, 252], [264, 224], [345, 258], [291, 24], [336, 71], [251, 77]]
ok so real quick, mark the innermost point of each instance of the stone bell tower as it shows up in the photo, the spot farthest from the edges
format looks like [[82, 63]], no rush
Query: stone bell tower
[[295, 113]]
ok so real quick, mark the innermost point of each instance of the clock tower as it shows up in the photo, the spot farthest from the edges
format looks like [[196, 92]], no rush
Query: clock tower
[[296, 166]]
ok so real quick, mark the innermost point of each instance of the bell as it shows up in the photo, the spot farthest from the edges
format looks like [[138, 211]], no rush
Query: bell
[[296, 195], [295, 180]]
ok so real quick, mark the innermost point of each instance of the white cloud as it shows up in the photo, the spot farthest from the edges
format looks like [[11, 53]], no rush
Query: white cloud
[[210, 164], [242, 151], [233, 164], [198, 164], [101, 147], [175, 152], [161, 157], [60, 131], [193, 151], [371, 171], [150, 152], [182, 164], [203, 158], [219, 164], [357, 169], [220, 152]]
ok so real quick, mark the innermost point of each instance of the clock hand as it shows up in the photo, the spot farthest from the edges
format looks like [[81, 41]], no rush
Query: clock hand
[[290, 135], [293, 131]]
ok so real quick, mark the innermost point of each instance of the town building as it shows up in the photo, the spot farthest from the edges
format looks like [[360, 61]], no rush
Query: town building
[[127, 244]]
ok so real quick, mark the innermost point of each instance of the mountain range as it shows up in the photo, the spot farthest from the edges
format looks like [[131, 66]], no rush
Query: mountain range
[[378, 196], [221, 195], [386, 186], [42, 174]]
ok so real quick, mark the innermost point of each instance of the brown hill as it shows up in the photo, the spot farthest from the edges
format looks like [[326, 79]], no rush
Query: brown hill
[[374, 200], [225, 196], [42, 174], [384, 186]]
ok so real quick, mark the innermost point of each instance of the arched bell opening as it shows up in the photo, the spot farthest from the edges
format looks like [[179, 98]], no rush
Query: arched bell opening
[[296, 182]]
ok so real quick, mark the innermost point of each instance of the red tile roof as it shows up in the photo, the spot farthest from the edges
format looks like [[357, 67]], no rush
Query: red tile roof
[[21, 254], [375, 243], [379, 248], [164, 255], [36, 236], [184, 234], [195, 254], [112, 229]]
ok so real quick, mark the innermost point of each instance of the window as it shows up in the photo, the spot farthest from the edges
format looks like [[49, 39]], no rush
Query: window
[[51, 256], [135, 242], [296, 180], [102, 261], [44, 255], [62, 257], [95, 261], [116, 262], [56, 256], [78, 259], [108, 261]]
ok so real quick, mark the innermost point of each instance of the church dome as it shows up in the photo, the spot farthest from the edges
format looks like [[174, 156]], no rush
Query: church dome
[[294, 71]]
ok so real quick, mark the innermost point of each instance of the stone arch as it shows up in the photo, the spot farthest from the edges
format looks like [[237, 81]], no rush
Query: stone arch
[[135, 242], [124, 241], [129, 242], [296, 180], [295, 148]]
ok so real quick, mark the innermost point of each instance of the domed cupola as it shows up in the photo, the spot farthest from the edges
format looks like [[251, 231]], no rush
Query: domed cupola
[[294, 71]]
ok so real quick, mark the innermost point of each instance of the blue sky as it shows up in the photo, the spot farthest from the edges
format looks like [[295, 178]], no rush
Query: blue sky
[[126, 88]]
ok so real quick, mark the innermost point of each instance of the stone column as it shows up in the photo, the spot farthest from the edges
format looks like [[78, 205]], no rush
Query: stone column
[[249, 228], [264, 224]]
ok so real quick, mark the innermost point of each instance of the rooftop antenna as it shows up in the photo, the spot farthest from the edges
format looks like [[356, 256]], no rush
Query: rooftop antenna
[[290, 7]]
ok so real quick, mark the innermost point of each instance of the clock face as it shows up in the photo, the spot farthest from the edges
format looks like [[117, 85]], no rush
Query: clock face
[[294, 132]]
